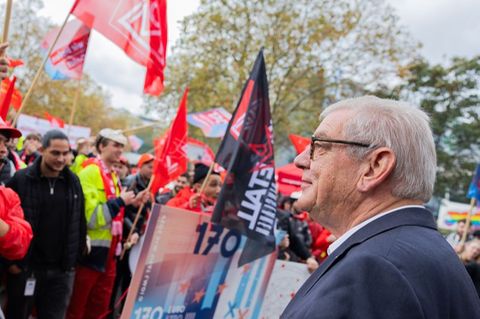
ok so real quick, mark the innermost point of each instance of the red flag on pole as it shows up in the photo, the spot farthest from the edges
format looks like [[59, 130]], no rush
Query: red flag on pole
[[138, 27], [8, 88], [54, 121], [68, 56], [170, 150], [299, 142]]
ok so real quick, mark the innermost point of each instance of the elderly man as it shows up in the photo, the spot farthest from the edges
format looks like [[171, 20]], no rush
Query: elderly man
[[370, 167]]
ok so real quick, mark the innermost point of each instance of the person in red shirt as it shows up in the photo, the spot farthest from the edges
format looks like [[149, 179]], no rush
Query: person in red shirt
[[192, 198]]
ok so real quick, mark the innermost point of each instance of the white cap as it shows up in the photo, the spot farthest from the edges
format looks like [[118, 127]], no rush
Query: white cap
[[114, 135]]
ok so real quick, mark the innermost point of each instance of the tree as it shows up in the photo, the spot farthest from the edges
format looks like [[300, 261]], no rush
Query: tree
[[450, 95], [315, 51], [27, 30]]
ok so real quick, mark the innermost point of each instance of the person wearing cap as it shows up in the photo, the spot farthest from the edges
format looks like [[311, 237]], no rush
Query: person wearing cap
[[32, 143], [105, 202], [7, 167], [136, 183], [52, 199], [196, 199]]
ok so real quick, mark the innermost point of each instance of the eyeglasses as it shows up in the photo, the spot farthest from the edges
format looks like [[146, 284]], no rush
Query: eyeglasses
[[318, 139]]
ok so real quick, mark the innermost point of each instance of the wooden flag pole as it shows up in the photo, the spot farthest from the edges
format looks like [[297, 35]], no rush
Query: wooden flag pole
[[39, 71], [204, 184], [138, 128], [135, 221], [6, 23], [468, 222]]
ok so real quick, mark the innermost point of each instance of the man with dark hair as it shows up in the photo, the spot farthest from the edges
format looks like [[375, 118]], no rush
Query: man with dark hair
[[52, 199], [30, 148], [7, 167], [104, 209], [181, 182]]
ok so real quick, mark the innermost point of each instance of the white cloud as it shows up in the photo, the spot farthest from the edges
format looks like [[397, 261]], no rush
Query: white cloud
[[108, 65], [446, 28]]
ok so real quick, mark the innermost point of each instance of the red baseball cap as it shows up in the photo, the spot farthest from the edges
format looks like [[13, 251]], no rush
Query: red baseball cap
[[145, 158], [7, 131]]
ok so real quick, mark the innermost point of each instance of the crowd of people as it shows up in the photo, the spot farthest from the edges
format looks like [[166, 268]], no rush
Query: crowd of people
[[80, 208]]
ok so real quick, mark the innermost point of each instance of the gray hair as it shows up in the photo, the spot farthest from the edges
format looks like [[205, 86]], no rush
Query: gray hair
[[404, 129]]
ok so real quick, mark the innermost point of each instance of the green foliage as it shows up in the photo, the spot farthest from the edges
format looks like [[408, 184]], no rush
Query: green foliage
[[316, 52], [450, 94]]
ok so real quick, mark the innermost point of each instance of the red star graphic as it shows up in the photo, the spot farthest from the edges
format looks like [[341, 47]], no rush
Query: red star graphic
[[246, 268], [221, 288], [242, 315], [292, 294], [199, 295], [184, 287]]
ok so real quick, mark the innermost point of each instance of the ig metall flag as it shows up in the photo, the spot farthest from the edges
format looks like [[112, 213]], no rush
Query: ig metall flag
[[247, 202]]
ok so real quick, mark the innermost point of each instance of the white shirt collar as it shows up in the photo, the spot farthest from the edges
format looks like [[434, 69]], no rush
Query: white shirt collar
[[353, 230]]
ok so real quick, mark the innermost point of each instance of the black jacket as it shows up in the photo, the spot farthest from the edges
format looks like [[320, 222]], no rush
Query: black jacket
[[26, 183], [136, 184]]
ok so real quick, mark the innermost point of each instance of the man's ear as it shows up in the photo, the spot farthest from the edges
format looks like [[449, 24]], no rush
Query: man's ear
[[377, 167]]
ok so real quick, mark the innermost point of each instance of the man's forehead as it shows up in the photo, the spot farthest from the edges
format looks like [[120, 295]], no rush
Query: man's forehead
[[332, 125]]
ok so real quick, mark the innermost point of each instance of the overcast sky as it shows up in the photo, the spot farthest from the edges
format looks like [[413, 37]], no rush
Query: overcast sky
[[446, 28]]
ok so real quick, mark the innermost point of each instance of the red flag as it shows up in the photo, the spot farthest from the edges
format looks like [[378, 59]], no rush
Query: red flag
[[68, 55], [170, 150], [7, 90], [54, 121], [13, 63], [138, 27], [299, 142]]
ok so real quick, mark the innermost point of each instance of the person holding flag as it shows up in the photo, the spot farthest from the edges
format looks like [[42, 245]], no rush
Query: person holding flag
[[104, 208], [199, 198]]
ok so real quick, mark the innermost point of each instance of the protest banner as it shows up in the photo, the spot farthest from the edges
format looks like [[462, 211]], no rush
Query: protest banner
[[188, 269], [451, 212], [287, 277], [31, 124]]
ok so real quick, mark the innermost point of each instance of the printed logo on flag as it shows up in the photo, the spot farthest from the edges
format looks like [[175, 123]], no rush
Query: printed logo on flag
[[213, 123], [138, 24]]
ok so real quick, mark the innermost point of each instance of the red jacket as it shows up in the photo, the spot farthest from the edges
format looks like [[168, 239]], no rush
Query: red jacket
[[182, 200], [14, 244]]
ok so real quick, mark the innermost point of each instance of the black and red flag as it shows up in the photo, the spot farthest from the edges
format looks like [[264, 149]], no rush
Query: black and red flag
[[247, 202]]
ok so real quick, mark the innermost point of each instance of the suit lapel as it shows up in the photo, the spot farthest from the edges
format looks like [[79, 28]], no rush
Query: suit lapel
[[404, 217]]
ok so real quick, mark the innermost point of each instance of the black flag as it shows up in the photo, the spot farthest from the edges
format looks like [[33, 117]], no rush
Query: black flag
[[247, 201]]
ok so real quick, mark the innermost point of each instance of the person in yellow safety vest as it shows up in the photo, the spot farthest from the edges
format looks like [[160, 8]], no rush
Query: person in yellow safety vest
[[104, 205], [82, 154]]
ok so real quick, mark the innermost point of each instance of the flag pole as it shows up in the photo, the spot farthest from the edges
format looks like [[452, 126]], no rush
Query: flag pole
[[135, 221], [468, 222], [204, 184], [6, 23], [138, 128], [39, 71]]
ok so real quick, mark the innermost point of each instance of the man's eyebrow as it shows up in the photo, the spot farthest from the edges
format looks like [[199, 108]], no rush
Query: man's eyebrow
[[321, 135]]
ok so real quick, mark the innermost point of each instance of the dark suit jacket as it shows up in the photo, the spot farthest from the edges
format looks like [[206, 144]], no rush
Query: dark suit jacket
[[397, 266]]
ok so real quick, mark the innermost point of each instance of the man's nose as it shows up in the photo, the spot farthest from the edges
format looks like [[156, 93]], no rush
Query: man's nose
[[303, 159]]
